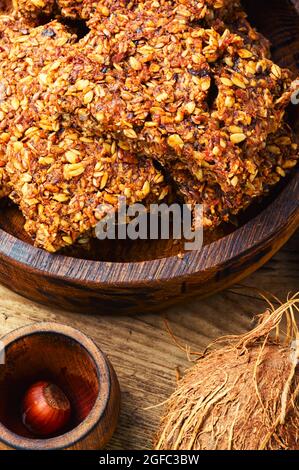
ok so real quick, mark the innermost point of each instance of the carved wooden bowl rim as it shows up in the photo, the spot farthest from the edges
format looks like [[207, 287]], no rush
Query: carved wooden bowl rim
[[281, 213]]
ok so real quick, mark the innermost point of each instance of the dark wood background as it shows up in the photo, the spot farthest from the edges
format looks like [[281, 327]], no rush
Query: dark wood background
[[142, 351]]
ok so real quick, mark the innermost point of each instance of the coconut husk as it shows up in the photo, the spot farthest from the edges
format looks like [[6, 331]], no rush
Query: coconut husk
[[242, 393]]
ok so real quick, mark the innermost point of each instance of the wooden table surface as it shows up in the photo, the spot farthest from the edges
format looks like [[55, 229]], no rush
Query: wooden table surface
[[144, 354]]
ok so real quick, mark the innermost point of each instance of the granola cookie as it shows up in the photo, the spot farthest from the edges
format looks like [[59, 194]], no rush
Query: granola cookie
[[24, 51], [278, 157], [33, 8], [64, 183]]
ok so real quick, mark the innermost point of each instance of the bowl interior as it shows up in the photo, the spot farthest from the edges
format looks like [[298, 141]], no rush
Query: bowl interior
[[278, 21], [47, 356]]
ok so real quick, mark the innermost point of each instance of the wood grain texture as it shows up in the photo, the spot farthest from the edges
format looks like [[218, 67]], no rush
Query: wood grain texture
[[129, 277], [140, 348], [64, 356]]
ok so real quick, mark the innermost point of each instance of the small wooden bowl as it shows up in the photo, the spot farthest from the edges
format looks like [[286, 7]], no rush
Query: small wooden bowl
[[68, 358], [132, 277]]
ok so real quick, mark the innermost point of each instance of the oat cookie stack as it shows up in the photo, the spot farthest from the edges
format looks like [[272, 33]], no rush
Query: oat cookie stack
[[158, 97]]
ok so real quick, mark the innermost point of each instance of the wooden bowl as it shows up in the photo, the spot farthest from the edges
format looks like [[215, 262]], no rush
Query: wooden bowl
[[131, 277], [66, 357]]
